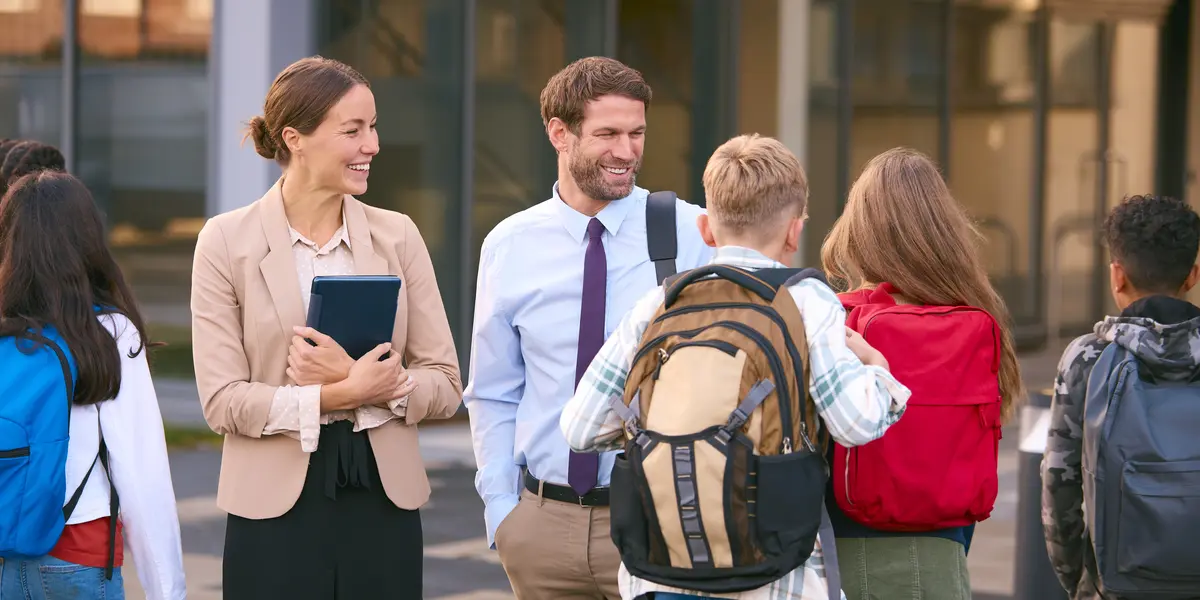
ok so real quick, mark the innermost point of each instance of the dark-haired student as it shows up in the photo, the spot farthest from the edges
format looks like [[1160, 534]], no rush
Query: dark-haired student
[[52, 245], [1153, 241], [321, 473], [22, 157]]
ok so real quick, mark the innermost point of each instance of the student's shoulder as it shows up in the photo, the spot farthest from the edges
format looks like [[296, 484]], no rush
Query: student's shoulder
[[815, 291], [1080, 356], [122, 329]]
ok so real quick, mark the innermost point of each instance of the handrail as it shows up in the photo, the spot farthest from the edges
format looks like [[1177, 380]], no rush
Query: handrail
[[1010, 237], [1064, 229]]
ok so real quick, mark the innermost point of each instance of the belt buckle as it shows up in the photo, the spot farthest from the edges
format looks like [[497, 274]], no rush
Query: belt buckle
[[580, 499]]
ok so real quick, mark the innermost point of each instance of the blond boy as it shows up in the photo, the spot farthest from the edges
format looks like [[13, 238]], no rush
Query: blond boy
[[757, 197]]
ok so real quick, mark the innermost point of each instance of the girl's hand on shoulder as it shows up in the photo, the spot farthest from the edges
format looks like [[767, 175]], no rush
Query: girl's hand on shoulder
[[864, 351]]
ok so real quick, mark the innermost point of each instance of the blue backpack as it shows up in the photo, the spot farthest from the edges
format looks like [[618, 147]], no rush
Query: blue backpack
[[1141, 479], [37, 375]]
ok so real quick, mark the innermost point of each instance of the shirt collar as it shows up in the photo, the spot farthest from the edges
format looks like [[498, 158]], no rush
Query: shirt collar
[[738, 256], [341, 236], [611, 216]]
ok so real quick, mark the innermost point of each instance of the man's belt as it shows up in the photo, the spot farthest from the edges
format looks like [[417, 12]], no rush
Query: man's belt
[[564, 493]]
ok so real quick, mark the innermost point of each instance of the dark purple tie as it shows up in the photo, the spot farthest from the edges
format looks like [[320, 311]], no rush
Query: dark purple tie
[[582, 470]]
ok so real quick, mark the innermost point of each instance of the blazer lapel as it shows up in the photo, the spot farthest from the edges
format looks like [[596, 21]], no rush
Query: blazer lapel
[[279, 266], [366, 261]]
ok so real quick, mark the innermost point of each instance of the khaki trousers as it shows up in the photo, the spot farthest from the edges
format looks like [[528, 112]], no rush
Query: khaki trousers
[[552, 550]]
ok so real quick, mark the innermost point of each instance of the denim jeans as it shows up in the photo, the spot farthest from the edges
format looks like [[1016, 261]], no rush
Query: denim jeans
[[48, 578]]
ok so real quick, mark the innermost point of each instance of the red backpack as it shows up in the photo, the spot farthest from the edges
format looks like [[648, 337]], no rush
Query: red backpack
[[935, 467]]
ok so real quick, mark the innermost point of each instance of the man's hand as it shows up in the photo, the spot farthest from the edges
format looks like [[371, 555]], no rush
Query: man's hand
[[325, 363]]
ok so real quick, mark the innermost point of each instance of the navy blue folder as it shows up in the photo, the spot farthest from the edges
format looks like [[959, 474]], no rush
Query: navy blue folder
[[357, 311]]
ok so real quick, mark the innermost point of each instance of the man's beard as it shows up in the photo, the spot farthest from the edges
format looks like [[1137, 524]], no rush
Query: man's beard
[[589, 176]]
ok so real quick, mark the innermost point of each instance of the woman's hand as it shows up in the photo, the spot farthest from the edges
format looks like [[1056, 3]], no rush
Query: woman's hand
[[864, 351], [370, 381], [325, 363]]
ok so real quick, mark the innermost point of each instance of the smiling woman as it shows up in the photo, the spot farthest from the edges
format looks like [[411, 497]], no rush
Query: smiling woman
[[320, 474]]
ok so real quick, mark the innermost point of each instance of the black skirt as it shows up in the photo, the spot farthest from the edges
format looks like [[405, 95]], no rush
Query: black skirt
[[343, 539]]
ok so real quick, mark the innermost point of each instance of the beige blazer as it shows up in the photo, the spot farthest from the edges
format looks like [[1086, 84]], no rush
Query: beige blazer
[[245, 301]]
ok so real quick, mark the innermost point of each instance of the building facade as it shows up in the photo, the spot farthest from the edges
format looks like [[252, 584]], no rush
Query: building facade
[[1042, 113]]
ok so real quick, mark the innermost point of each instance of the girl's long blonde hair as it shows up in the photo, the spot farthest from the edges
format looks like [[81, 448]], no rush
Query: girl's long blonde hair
[[902, 226]]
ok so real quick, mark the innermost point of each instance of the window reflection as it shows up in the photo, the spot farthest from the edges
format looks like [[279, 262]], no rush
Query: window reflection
[[519, 45], [142, 149], [412, 53], [897, 72], [992, 139], [30, 69], [656, 39], [142, 29]]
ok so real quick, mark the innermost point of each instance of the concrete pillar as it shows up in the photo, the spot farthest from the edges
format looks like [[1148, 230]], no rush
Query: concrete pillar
[[252, 40], [793, 90]]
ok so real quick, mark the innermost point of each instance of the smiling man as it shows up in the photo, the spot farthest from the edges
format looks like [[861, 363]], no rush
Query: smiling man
[[553, 281]]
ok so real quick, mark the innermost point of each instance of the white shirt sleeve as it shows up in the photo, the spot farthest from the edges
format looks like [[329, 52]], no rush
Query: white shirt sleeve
[[133, 430]]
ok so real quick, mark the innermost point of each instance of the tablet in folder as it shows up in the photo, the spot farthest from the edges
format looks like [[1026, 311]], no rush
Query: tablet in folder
[[357, 311]]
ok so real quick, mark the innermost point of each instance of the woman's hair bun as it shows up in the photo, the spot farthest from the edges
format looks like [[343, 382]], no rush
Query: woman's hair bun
[[264, 142]]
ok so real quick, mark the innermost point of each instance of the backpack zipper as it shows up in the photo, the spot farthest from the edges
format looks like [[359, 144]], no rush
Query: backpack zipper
[[15, 453], [721, 345], [771, 313], [765, 310], [785, 412]]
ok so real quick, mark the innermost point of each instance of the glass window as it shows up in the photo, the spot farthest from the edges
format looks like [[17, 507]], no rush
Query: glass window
[[143, 123], [992, 136], [896, 77], [825, 148], [31, 69], [519, 47], [1072, 159], [412, 51], [656, 39], [759, 77]]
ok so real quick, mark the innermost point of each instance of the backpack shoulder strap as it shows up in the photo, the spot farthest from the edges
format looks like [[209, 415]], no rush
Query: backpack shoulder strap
[[660, 233], [779, 278], [114, 501], [671, 279]]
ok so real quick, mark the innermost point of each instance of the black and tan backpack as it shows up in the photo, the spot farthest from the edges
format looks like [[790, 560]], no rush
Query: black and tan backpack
[[721, 486]]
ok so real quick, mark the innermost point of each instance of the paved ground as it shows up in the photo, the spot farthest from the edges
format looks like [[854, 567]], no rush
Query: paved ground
[[458, 566]]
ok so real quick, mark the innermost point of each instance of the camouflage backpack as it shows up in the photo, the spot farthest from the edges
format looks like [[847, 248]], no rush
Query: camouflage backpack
[[721, 486]]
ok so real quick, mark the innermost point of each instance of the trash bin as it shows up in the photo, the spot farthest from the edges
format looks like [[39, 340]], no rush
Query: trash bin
[[1033, 577]]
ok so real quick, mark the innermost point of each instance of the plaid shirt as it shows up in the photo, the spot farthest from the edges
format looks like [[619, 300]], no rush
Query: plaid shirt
[[856, 402]]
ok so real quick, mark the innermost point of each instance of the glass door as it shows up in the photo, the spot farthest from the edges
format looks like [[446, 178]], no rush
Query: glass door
[[1100, 148]]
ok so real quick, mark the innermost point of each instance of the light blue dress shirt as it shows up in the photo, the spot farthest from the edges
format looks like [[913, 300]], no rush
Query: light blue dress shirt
[[526, 332]]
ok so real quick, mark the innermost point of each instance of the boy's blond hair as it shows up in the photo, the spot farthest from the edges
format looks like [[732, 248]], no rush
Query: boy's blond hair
[[751, 181]]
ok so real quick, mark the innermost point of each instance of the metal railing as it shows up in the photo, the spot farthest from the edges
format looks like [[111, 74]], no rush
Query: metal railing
[[1010, 242], [1064, 228]]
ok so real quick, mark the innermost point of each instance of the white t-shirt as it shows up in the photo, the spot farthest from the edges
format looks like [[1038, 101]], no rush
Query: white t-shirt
[[137, 449]]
